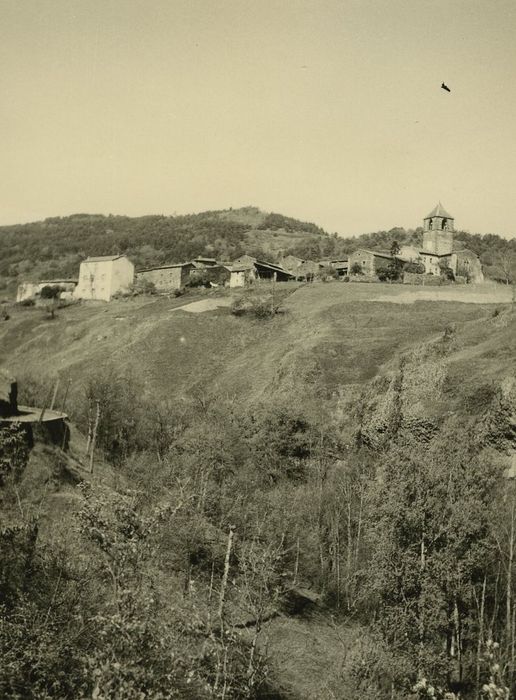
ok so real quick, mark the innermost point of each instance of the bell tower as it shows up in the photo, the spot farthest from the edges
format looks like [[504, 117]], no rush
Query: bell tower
[[438, 232]]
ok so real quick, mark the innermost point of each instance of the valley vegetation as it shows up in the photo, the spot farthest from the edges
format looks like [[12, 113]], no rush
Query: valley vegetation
[[206, 522]]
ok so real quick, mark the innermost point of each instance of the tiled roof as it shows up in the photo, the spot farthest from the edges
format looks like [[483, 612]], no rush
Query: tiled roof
[[103, 258], [271, 266], [435, 255], [164, 267], [376, 253], [439, 210]]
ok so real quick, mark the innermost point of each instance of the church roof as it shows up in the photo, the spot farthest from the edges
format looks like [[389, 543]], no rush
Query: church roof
[[439, 210]]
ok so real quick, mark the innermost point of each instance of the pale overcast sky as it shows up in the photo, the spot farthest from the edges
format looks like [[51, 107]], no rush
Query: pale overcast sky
[[325, 110]]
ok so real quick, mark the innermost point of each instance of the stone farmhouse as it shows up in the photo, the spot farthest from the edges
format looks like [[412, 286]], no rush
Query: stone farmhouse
[[167, 277], [259, 269], [307, 270], [291, 262], [100, 278], [341, 266], [371, 262], [241, 275]]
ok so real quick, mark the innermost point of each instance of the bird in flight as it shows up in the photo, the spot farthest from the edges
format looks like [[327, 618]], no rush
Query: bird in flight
[[445, 87]]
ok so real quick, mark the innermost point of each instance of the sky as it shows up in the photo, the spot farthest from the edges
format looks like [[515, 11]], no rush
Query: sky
[[328, 111]]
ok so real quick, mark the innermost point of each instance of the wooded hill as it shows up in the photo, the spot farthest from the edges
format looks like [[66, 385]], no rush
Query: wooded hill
[[54, 247]]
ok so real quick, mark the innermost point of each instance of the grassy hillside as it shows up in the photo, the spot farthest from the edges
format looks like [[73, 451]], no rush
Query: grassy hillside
[[333, 335]]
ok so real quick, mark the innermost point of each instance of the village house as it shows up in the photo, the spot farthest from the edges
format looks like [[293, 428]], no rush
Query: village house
[[167, 277], [218, 275], [244, 260], [291, 263], [240, 275], [32, 290], [261, 270], [341, 266], [370, 262], [308, 270], [469, 266], [102, 277]]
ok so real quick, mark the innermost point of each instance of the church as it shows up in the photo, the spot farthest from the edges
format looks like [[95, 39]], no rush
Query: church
[[438, 250], [437, 255]]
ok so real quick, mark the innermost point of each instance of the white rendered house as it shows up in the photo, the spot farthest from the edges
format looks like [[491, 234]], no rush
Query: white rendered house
[[102, 277]]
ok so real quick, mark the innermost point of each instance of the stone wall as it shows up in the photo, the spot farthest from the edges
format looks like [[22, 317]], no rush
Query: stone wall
[[422, 279]]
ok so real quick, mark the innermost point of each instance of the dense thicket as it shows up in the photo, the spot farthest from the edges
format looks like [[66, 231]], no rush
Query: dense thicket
[[399, 521]]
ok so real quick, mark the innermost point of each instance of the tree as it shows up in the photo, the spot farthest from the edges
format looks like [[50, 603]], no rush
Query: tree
[[395, 248], [51, 291], [434, 547], [356, 269], [505, 267], [392, 272]]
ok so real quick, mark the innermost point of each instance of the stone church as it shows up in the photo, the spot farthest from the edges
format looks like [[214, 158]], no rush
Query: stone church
[[438, 250]]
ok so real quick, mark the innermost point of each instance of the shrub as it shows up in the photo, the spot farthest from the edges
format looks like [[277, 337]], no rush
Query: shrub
[[415, 267], [142, 286], [14, 451], [327, 273], [27, 302], [259, 306], [51, 291], [356, 269], [446, 271], [199, 278]]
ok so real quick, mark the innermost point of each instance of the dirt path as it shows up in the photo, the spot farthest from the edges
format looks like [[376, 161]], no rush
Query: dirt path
[[478, 294], [197, 307]]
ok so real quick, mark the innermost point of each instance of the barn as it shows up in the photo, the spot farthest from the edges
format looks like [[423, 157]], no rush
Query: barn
[[167, 277]]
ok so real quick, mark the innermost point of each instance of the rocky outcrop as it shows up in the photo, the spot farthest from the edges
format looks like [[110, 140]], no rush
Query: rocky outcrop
[[408, 400], [497, 425]]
